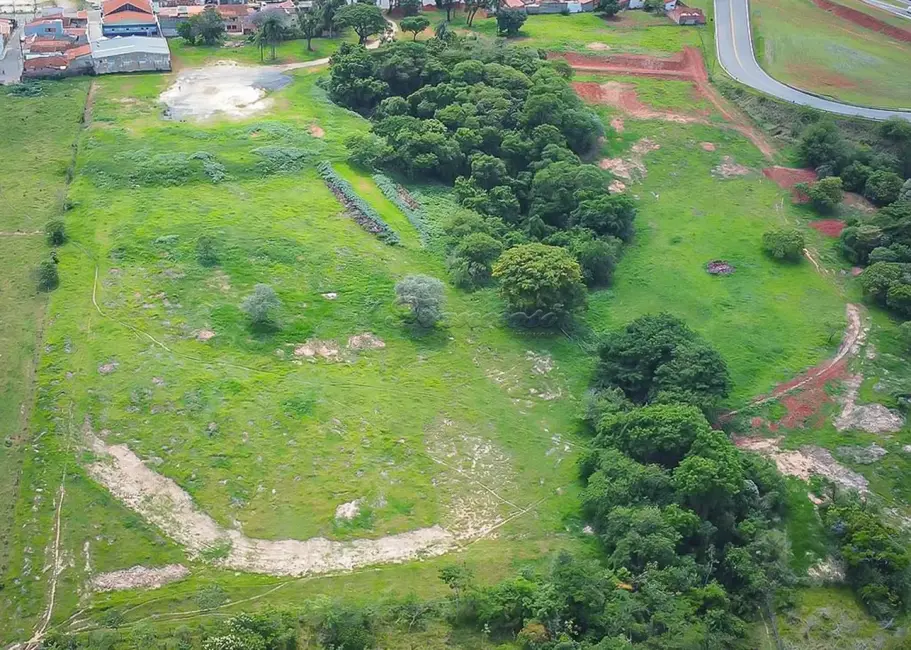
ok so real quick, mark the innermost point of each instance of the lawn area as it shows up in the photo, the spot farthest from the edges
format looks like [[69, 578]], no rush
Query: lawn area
[[36, 152], [802, 45], [295, 51], [634, 32]]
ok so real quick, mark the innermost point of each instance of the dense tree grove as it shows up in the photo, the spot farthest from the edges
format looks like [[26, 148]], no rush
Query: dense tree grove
[[506, 129]]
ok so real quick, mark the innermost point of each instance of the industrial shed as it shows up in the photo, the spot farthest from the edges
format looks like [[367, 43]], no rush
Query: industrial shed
[[131, 54]]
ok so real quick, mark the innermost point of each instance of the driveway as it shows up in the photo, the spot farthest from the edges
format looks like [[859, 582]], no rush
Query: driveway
[[735, 54]]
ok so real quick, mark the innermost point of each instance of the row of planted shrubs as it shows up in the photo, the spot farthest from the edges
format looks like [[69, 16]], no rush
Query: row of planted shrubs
[[416, 215], [364, 213]]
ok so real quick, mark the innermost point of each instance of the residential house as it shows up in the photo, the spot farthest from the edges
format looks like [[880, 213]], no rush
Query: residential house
[[236, 18], [128, 18], [684, 15], [45, 28], [170, 17]]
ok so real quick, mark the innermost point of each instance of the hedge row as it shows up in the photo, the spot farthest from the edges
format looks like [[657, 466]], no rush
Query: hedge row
[[362, 212], [406, 203]]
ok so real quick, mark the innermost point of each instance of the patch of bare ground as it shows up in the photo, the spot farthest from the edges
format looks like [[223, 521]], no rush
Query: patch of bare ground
[[872, 418], [317, 131], [728, 168], [598, 47], [805, 462], [162, 502], [313, 348], [617, 124], [707, 146], [623, 96], [138, 577], [473, 479], [830, 571], [366, 341], [632, 168], [205, 335]]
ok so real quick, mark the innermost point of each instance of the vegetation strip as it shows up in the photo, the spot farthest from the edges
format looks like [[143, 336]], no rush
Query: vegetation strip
[[406, 203], [362, 212]]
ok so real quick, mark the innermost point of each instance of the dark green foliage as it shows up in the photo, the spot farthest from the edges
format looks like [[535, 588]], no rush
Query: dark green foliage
[[411, 209], [510, 21], [826, 194], [364, 213], [271, 29], [55, 231], [608, 7], [784, 244], [857, 242], [823, 144], [658, 358], [898, 299], [876, 555], [345, 627], [206, 27], [365, 19], [660, 433], [206, 251], [410, 7], [415, 25], [471, 262], [47, 277], [597, 257], [537, 277], [878, 278], [883, 187]]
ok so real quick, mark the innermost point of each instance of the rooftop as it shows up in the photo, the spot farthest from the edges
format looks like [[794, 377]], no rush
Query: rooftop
[[112, 6], [128, 45], [129, 17]]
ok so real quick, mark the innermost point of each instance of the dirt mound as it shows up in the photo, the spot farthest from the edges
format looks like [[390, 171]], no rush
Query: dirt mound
[[828, 227], [204, 335], [686, 64], [707, 146], [728, 168], [316, 348], [366, 341], [788, 177], [864, 20], [858, 202], [316, 131], [597, 46], [719, 267], [616, 187], [138, 577], [804, 462]]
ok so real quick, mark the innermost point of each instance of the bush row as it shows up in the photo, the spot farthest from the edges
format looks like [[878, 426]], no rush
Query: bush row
[[413, 211], [363, 212]]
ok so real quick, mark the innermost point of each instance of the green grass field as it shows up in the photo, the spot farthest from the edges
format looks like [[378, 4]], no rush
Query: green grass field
[[294, 51], [802, 45]]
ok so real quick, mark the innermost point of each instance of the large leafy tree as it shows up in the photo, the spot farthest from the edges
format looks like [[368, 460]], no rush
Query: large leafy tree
[[537, 277], [310, 26], [415, 25], [365, 19]]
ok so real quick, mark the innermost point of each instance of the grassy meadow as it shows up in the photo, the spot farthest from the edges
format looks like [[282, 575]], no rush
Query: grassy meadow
[[804, 46], [294, 51]]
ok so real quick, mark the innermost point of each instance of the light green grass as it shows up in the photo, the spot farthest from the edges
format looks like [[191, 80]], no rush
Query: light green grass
[[665, 95], [634, 32], [812, 49], [294, 51]]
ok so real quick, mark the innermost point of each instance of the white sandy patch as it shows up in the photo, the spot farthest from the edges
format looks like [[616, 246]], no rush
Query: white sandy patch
[[348, 511], [804, 462], [161, 502], [138, 577], [872, 418]]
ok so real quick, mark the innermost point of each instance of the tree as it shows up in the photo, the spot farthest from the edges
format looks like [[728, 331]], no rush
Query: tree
[[447, 5], [206, 251], [658, 433], [261, 306], [55, 231], [905, 193], [366, 20], [657, 358], [471, 261], [48, 278], [309, 24], [423, 295], [537, 277], [186, 31], [472, 7], [823, 144], [270, 31], [898, 298], [414, 24], [410, 7], [326, 11], [510, 21], [609, 7], [784, 244], [857, 242], [208, 26], [826, 194], [878, 278], [883, 187]]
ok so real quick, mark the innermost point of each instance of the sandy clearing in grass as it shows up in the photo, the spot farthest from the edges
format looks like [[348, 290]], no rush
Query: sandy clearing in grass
[[161, 502], [872, 418], [138, 577], [631, 168], [728, 168]]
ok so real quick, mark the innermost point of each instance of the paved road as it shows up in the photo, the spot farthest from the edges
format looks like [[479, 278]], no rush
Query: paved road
[[11, 61], [892, 9], [735, 53]]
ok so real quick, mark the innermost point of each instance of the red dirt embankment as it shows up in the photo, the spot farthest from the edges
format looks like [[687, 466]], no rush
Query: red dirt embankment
[[682, 66], [787, 177], [864, 20], [828, 227]]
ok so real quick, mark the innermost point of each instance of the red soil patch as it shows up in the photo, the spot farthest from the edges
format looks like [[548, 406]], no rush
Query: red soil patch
[[787, 178], [707, 146], [864, 20], [624, 97], [828, 227], [683, 66]]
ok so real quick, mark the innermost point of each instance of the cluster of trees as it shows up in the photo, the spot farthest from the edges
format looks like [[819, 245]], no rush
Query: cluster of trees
[[506, 129], [206, 28], [784, 244]]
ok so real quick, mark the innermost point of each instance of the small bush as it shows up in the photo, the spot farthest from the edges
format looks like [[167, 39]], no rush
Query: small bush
[[784, 244], [206, 251], [347, 628], [368, 218], [48, 278], [261, 306], [283, 160], [883, 187], [210, 597], [56, 232], [826, 195], [472, 260], [423, 295]]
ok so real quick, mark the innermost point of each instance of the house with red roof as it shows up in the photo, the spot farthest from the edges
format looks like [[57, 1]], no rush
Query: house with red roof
[[128, 18]]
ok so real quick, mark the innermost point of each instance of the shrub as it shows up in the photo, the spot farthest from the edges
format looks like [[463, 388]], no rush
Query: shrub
[[510, 21], [347, 628], [48, 278], [826, 195], [898, 298], [904, 335], [423, 295], [261, 306], [55, 232], [783, 244], [471, 261], [537, 277], [206, 251], [883, 187], [905, 193], [414, 24], [409, 207], [878, 278], [857, 242], [363, 213], [609, 7]]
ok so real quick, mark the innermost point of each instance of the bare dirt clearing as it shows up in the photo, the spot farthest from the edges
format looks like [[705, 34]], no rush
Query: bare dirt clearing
[[872, 418], [728, 168], [632, 168], [804, 462], [138, 577], [224, 88]]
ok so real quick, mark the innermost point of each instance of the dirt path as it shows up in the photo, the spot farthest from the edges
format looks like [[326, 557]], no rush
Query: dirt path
[[683, 66]]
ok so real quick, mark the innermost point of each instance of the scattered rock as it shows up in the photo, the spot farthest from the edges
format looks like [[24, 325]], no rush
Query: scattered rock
[[631, 168], [719, 267], [330, 296], [108, 368], [872, 418], [862, 455], [365, 341], [541, 364], [317, 348], [616, 187], [348, 511], [804, 462], [827, 572], [204, 335]]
